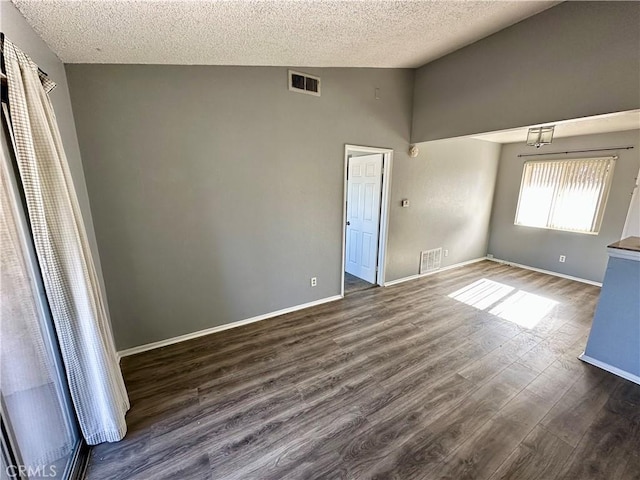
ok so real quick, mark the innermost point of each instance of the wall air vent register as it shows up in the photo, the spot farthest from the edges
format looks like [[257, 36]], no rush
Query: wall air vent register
[[430, 260], [304, 83]]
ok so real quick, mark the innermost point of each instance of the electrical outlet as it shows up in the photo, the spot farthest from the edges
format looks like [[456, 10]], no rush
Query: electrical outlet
[[314, 281], [446, 253], [562, 259]]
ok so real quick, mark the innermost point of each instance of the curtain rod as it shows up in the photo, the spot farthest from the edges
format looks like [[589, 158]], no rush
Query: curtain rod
[[576, 151]]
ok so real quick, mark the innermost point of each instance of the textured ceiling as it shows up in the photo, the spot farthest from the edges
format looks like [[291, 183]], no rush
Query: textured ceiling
[[611, 122], [391, 33]]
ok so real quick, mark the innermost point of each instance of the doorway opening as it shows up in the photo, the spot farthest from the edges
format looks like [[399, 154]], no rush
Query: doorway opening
[[367, 180]]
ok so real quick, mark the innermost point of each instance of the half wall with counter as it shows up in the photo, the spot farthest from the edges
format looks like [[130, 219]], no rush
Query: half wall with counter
[[614, 341]]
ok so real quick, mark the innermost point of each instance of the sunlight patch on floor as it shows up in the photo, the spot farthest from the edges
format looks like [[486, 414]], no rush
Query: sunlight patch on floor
[[524, 309], [517, 306], [482, 294]]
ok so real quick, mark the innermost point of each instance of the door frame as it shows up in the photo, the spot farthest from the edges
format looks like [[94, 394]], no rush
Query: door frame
[[387, 163]]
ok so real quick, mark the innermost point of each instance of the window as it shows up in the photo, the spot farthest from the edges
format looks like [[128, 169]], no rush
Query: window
[[565, 194]]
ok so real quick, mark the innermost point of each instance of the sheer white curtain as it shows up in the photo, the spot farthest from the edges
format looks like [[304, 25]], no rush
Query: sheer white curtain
[[69, 276]]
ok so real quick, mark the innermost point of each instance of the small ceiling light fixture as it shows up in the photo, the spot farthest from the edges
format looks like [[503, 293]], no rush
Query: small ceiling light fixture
[[413, 151], [539, 136]]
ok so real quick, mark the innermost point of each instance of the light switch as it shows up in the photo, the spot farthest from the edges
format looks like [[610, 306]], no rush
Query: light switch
[[405, 202]]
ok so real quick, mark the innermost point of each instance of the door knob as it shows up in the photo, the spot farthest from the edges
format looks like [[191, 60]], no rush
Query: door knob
[[348, 223]]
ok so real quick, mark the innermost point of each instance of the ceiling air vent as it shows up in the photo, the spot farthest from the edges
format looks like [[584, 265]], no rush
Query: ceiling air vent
[[430, 260], [304, 83]]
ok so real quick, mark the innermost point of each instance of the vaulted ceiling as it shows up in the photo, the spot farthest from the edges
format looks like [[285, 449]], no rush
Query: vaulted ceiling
[[323, 33]]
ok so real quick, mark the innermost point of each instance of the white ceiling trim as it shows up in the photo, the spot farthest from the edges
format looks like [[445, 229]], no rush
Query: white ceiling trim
[[321, 33]]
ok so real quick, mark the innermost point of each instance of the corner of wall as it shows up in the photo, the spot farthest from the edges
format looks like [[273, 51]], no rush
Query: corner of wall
[[18, 30]]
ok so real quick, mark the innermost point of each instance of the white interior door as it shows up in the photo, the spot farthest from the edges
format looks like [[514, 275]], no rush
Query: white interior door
[[364, 183]]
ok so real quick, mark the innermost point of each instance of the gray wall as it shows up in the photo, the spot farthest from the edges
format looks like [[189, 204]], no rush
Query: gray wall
[[216, 192], [450, 186], [573, 60], [615, 333], [16, 28], [586, 254]]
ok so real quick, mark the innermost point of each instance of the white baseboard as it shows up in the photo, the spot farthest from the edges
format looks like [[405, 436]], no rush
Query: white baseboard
[[610, 368], [548, 272], [220, 328], [444, 269]]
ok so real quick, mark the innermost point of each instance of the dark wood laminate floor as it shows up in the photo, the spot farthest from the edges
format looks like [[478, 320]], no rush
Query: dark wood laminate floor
[[400, 382], [355, 284]]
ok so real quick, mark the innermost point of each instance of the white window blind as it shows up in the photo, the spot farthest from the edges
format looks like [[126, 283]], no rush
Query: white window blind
[[565, 194]]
